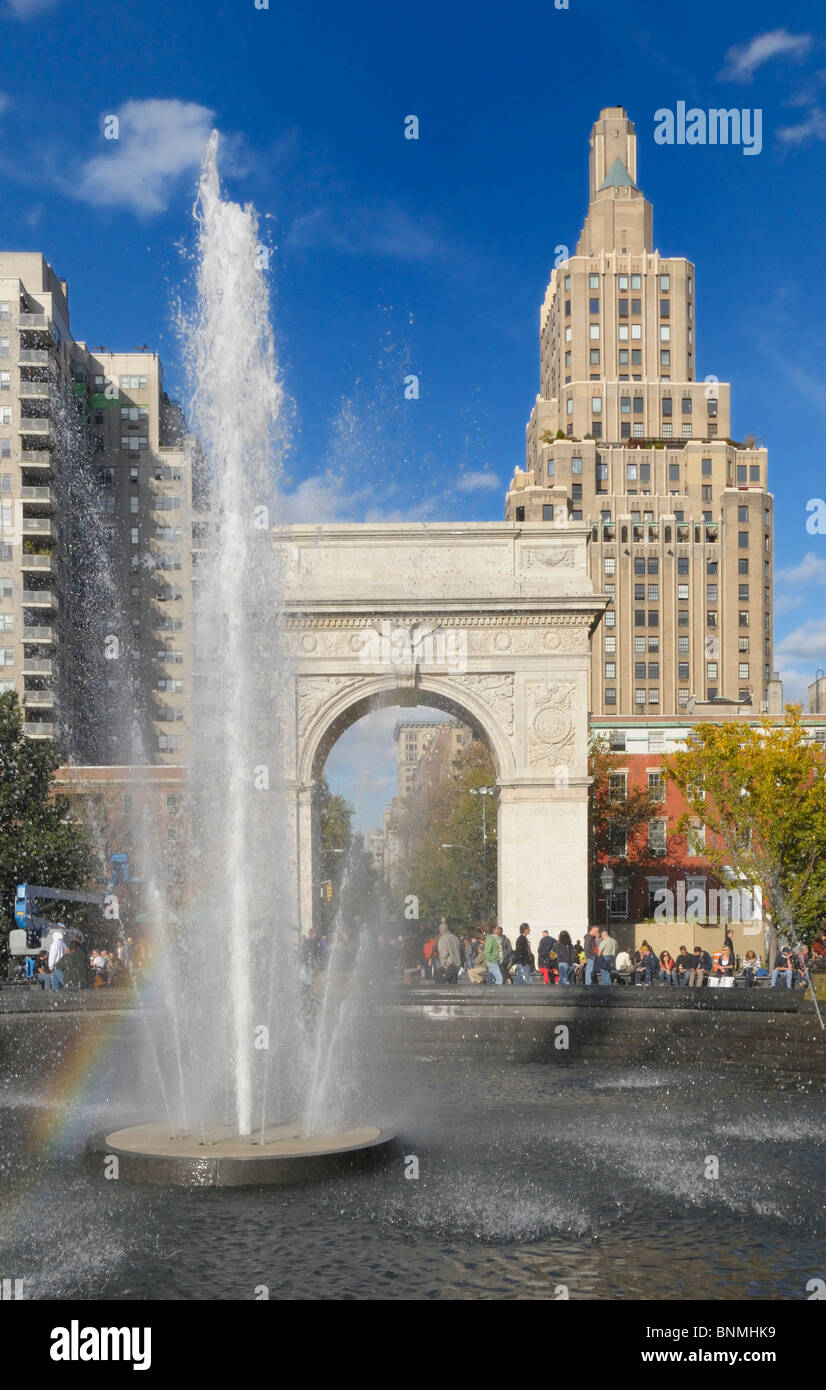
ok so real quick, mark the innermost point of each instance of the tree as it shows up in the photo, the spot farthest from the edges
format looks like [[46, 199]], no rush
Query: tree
[[617, 813], [40, 840], [760, 792], [452, 881]]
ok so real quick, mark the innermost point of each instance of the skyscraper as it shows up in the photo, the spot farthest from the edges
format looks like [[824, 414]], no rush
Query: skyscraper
[[624, 438]]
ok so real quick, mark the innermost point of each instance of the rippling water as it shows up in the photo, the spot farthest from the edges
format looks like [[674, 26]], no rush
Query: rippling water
[[530, 1180]]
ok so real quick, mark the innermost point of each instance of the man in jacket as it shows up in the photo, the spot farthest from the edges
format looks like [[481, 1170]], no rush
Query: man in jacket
[[492, 958], [702, 967], [590, 947], [449, 952], [523, 956], [783, 965]]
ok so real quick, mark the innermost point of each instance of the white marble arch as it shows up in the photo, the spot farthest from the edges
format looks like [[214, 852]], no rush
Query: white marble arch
[[500, 618]]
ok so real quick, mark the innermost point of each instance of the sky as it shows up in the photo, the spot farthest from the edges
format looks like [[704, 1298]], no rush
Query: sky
[[390, 257]]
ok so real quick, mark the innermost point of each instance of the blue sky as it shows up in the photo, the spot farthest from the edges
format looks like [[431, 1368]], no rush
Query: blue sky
[[392, 256]]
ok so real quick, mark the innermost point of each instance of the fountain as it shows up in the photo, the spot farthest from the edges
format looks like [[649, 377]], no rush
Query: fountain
[[251, 1060]]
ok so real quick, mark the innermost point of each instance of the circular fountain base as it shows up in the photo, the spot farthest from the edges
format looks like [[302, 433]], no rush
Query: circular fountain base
[[221, 1158]]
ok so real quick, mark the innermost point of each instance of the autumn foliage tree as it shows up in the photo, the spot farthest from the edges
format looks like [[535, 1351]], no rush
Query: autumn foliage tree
[[616, 813], [760, 791]]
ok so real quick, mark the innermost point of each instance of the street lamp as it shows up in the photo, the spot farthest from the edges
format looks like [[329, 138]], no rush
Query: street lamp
[[606, 878], [484, 792]]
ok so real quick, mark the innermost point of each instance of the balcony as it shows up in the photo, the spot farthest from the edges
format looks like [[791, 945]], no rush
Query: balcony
[[34, 357], [37, 526], [38, 730], [36, 562], [36, 666], [39, 321], [29, 389], [36, 458], [34, 424], [38, 699], [38, 598], [37, 634], [37, 494]]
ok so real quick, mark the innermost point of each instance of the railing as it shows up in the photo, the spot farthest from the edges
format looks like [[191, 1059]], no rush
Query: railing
[[37, 494], [40, 524], [35, 321], [37, 356], [39, 598], [35, 388], [36, 562], [35, 424], [38, 697], [38, 730], [34, 667], [37, 634], [34, 458]]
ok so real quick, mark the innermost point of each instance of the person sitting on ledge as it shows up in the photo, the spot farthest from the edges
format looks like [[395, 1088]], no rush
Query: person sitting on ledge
[[724, 963], [668, 969], [624, 968], [684, 962], [702, 967], [751, 965], [647, 963], [784, 965]]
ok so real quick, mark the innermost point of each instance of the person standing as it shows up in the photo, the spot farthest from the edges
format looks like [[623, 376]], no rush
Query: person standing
[[505, 954], [590, 948], [543, 964], [492, 958], [523, 956], [565, 958], [449, 951], [607, 951], [57, 951]]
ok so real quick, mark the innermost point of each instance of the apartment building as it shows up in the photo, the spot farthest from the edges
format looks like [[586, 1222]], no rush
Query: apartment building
[[625, 438], [425, 750], [95, 505]]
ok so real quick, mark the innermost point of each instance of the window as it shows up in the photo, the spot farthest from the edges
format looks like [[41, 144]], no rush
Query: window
[[639, 697], [743, 592], [617, 786], [609, 564], [568, 336], [636, 282], [134, 535], [594, 357], [622, 308], [682, 670], [653, 670], [683, 697], [593, 331], [639, 591], [743, 564], [6, 656], [610, 670], [639, 644], [569, 406], [743, 540], [639, 617], [567, 282], [657, 836], [593, 281], [610, 694], [665, 333], [596, 405], [622, 282], [743, 671], [576, 466], [622, 332], [639, 670], [696, 838], [653, 593], [610, 644], [711, 670], [711, 617], [630, 472], [667, 433], [711, 593], [6, 622], [705, 467], [754, 472], [682, 591], [742, 644], [610, 617], [623, 357], [653, 697], [636, 331], [686, 431], [593, 306]]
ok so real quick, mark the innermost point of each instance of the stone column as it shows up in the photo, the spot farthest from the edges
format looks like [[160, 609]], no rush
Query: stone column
[[542, 855]]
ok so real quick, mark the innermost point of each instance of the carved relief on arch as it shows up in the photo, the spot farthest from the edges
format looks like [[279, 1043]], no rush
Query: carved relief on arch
[[494, 690], [316, 691], [551, 729]]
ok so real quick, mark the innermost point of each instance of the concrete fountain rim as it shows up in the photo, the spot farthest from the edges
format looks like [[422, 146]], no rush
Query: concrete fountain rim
[[146, 1153]]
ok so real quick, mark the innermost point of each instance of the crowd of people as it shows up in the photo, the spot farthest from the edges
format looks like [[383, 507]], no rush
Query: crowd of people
[[492, 959], [67, 965]]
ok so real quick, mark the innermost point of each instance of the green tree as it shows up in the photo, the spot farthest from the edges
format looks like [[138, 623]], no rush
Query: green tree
[[618, 818], [452, 881], [334, 819], [760, 792], [40, 840]]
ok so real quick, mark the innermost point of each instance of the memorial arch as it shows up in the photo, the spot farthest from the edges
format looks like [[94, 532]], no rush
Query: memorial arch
[[490, 622]]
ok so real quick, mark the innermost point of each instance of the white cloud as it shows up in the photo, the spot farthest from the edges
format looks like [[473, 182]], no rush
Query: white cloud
[[478, 481], [795, 685], [813, 128], [159, 141], [743, 60], [810, 570], [362, 764], [29, 9], [805, 643]]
